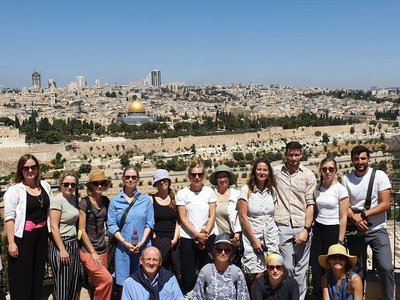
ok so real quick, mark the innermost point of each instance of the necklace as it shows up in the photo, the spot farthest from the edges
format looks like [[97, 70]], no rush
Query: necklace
[[40, 199]]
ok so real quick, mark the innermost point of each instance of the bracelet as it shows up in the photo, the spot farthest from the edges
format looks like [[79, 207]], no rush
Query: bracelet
[[307, 228], [340, 242]]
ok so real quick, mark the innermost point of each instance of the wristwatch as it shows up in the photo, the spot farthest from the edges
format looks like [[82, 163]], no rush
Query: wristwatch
[[363, 215], [307, 228]]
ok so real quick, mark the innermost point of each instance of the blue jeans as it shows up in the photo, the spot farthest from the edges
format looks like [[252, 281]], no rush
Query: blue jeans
[[379, 242]]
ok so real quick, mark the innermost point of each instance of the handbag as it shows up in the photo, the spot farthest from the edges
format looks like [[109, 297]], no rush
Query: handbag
[[113, 240], [351, 228]]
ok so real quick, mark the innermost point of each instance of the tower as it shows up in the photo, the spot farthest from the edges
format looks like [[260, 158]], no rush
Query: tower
[[36, 81], [80, 81], [156, 78]]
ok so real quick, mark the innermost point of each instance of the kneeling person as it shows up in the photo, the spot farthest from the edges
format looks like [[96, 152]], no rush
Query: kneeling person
[[151, 281]]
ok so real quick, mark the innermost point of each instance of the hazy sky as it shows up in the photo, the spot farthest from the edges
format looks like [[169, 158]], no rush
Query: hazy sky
[[333, 44]]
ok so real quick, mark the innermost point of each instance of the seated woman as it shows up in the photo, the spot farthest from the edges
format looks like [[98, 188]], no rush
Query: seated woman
[[340, 282], [275, 284], [221, 279]]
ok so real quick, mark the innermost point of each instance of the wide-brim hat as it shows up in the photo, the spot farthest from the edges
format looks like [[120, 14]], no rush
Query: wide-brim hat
[[97, 175], [335, 250], [222, 168], [160, 174]]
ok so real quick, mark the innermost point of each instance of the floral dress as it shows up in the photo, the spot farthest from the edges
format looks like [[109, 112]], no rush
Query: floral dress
[[220, 286]]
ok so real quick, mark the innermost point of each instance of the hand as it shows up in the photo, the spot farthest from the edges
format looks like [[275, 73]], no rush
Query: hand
[[13, 250], [362, 225], [302, 237], [128, 246], [97, 259], [258, 247], [202, 237], [136, 249], [173, 243], [64, 257]]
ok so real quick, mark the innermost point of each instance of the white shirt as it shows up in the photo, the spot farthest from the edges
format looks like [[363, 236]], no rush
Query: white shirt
[[328, 203], [15, 205], [197, 208], [357, 188]]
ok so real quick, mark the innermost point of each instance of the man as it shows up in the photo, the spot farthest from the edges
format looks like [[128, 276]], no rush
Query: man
[[372, 221], [294, 213], [151, 281]]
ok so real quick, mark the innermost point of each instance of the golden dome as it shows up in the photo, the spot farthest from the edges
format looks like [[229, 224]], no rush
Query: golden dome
[[136, 107]]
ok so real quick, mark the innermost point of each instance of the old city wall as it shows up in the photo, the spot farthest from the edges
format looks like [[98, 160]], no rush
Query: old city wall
[[46, 152]]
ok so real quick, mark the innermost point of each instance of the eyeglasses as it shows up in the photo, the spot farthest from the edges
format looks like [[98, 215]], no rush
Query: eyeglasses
[[277, 267], [151, 260], [67, 184], [99, 183], [27, 168], [222, 178], [336, 256], [226, 250], [194, 175], [133, 177], [326, 169]]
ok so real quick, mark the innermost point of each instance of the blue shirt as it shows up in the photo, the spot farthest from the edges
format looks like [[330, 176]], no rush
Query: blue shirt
[[139, 217], [133, 290]]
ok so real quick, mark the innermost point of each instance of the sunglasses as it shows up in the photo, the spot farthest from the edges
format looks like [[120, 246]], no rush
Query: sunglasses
[[336, 256], [133, 177], [271, 267], [27, 168], [196, 175], [226, 250], [99, 183], [326, 169], [67, 184]]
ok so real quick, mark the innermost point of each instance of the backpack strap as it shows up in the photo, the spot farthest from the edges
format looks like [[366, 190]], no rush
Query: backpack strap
[[367, 204]]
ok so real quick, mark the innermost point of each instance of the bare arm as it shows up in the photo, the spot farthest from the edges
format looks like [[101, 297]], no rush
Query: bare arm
[[383, 204], [12, 247], [356, 285], [86, 240], [243, 210], [55, 217], [324, 286], [303, 236], [343, 205], [211, 220], [176, 234]]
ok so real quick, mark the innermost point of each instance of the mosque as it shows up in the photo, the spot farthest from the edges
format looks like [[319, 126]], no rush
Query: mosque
[[136, 114]]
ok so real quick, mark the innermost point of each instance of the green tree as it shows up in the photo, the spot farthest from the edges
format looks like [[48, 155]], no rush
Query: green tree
[[352, 130], [325, 138], [85, 168], [124, 160]]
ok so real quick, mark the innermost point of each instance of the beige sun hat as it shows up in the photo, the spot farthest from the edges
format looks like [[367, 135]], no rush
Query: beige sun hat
[[223, 168], [97, 175], [334, 250]]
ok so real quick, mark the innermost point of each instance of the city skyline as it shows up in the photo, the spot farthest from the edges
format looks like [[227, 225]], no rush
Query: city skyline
[[328, 45]]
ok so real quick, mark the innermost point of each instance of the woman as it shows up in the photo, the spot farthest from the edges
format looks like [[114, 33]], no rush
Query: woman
[[276, 284], [256, 212], [340, 282], [227, 220], [221, 280], [133, 232], [64, 249], [196, 210], [332, 201], [26, 206], [92, 218], [166, 227]]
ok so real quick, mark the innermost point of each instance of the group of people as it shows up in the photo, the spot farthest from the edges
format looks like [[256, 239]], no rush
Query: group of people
[[210, 242]]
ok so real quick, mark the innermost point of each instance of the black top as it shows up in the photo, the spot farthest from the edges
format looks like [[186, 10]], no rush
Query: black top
[[164, 220], [288, 289], [34, 212]]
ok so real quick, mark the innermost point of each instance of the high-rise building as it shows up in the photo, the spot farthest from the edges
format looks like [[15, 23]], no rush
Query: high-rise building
[[80, 82], [155, 78], [36, 81], [51, 84]]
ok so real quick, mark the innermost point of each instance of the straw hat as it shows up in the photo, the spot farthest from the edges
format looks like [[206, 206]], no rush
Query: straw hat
[[334, 250], [222, 168], [97, 175], [160, 174]]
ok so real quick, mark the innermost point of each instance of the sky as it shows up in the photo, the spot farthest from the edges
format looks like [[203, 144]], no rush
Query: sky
[[329, 44]]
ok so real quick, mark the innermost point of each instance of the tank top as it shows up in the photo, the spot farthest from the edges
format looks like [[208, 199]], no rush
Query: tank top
[[164, 220], [336, 292]]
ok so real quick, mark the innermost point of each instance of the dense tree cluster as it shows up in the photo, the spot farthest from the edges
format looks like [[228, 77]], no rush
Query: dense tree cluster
[[349, 94]]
